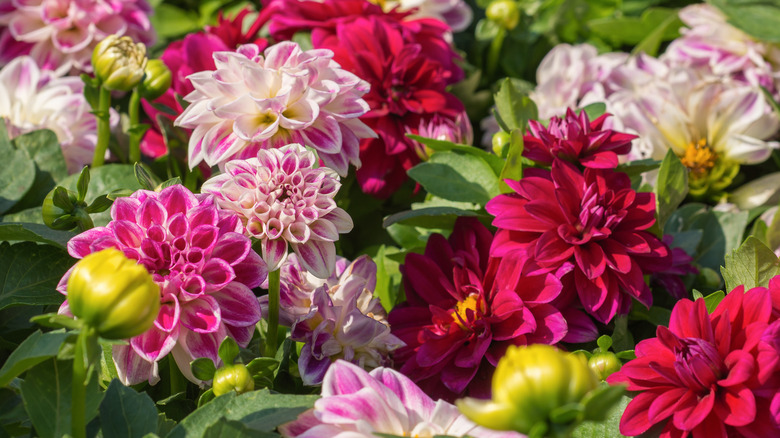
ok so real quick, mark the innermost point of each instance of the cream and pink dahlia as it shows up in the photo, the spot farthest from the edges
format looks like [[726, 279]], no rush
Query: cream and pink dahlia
[[358, 404], [31, 99], [61, 34], [709, 375], [346, 322], [205, 268], [589, 229], [255, 101], [282, 199]]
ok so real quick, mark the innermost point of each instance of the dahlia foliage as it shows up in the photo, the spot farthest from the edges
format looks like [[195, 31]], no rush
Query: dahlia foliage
[[235, 218]]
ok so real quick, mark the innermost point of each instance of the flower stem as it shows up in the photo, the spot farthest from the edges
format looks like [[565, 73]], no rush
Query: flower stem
[[135, 138], [494, 52], [178, 381], [104, 127], [273, 312], [79, 383]]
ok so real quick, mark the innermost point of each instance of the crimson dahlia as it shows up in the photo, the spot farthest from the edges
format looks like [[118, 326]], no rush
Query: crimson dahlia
[[590, 229], [709, 376], [463, 309]]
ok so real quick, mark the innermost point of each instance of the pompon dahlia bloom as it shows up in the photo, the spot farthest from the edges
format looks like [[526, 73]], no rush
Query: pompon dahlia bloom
[[346, 322], [590, 229], [61, 34], [576, 139], [283, 200], [709, 375], [463, 309], [409, 64], [193, 54], [32, 99], [255, 101], [357, 404], [205, 268]]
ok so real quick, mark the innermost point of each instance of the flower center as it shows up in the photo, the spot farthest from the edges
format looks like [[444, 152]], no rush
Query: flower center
[[468, 310], [698, 363], [699, 158]]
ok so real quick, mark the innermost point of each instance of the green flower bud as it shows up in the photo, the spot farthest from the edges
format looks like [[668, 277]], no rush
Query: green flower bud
[[157, 79], [529, 383], [505, 13], [119, 63], [500, 140], [603, 364], [113, 294], [232, 378], [60, 217]]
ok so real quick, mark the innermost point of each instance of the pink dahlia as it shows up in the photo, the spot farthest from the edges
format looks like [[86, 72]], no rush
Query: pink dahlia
[[205, 268], [346, 322], [253, 102], [590, 229], [190, 55], [708, 375], [358, 404], [463, 309], [282, 199], [61, 34], [575, 138]]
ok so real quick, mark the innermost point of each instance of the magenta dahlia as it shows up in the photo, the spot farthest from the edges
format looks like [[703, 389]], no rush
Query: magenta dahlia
[[205, 268], [590, 229], [575, 138], [463, 309], [709, 375]]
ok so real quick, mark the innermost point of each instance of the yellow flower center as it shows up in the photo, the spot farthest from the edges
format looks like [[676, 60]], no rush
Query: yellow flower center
[[699, 158], [471, 303], [380, 3]]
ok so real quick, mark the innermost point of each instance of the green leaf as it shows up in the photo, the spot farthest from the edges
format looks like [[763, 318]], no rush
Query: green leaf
[[34, 233], [513, 169], [203, 368], [44, 149], [758, 18], [388, 277], [609, 428], [733, 225], [712, 300], [225, 428], [594, 110], [82, 183], [145, 178], [627, 30], [671, 188], [35, 349], [653, 40], [495, 162], [228, 350], [431, 217], [604, 342], [126, 413], [46, 392], [599, 401], [105, 179], [171, 21], [17, 175], [29, 274], [457, 177], [513, 107], [753, 264]]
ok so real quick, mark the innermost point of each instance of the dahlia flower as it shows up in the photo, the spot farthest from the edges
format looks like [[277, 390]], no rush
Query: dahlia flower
[[590, 229], [346, 322], [575, 138], [282, 199], [61, 34], [253, 102], [670, 279], [408, 63], [357, 404], [190, 55], [464, 309], [718, 49], [32, 99], [205, 268], [709, 375]]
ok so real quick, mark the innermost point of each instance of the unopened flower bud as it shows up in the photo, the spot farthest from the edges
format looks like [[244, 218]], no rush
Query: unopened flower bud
[[119, 63], [505, 13], [500, 140], [232, 378], [529, 383], [113, 294], [603, 364], [157, 79]]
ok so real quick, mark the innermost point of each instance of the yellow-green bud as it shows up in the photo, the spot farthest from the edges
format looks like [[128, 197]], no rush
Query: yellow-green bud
[[113, 294], [232, 378], [119, 63], [603, 364], [157, 79], [505, 13], [500, 140], [529, 383]]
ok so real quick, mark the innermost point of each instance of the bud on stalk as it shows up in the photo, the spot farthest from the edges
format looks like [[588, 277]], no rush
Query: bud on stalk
[[119, 63]]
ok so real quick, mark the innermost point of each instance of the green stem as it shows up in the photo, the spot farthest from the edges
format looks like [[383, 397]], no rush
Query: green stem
[[273, 312], [79, 384], [494, 52], [104, 127], [178, 381], [135, 139]]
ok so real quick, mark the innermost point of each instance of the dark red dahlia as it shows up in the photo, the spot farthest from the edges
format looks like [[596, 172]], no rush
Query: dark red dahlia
[[576, 139], [463, 309], [709, 376], [590, 229]]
